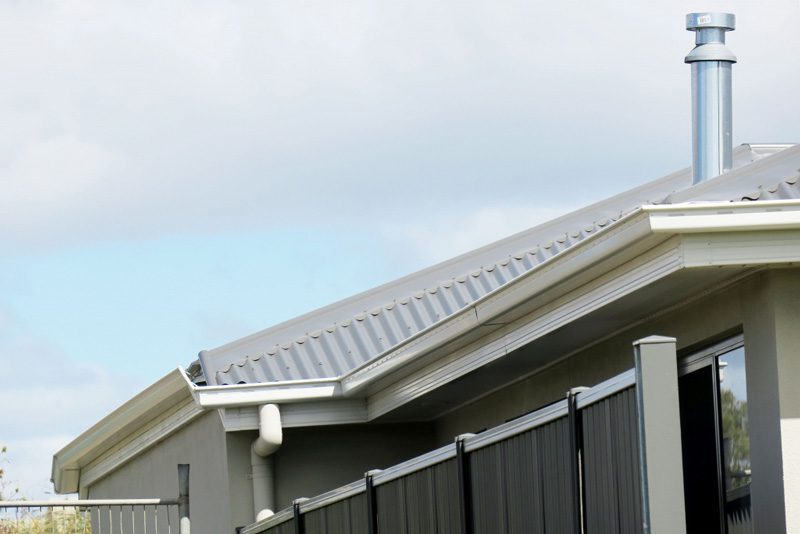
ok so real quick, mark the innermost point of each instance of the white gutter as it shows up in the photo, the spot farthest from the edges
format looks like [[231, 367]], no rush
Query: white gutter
[[618, 238], [645, 221], [703, 217], [265, 393]]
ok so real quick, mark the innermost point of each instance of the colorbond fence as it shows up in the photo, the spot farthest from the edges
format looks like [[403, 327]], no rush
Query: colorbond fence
[[567, 468]]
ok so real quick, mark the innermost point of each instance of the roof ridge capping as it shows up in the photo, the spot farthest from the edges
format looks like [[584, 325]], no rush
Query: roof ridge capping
[[492, 258]]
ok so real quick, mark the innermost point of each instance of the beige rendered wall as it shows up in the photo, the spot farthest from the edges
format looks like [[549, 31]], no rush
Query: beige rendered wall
[[772, 347], [240, 482], [315, 460], [699, 321], [154, 473]]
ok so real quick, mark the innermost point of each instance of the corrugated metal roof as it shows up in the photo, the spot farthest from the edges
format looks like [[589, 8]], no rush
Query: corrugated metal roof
[[338, 338]]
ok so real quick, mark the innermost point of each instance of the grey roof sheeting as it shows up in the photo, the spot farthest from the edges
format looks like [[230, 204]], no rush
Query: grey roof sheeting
[[329, 342]]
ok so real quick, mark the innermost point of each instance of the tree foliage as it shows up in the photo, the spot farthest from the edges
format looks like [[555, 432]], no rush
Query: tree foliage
[[37, 521], [737, 441]]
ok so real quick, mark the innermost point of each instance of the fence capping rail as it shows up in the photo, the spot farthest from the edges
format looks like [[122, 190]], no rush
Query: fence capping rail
[[287, 514], [339, 494], [605, 389], [415, 464]]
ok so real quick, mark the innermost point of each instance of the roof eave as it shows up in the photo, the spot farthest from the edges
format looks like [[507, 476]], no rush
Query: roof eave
[[152, 401], [646, 221]]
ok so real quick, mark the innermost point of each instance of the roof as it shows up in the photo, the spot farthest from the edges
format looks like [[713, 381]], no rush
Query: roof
[[170, 393], [339, 338]]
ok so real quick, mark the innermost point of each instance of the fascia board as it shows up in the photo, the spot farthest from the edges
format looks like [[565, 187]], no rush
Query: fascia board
[[741, 249], [152, 401], [301, 414], [708, 217], [275, 392], [572, 261], [657, 263], [738, 234]]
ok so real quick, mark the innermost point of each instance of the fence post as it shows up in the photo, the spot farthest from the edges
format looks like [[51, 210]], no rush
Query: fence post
[[659, 428], [299, 521], [372, 504], [183, 499], [574, 421], [464, 485]]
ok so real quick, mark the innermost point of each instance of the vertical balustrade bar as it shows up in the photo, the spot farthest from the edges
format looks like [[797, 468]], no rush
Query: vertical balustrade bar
[[184, 525]]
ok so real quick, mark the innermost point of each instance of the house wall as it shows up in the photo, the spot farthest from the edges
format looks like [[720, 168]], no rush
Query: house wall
[[701, 320], [766, 308], [154, 473], [240, 482], [315, 460]]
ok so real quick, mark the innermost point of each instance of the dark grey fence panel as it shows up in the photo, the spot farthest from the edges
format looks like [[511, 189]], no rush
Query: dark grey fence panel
[[506, 483], [575, 460], [287, 527], [348, 516], [425, 502], [554, 457], [612, 498]]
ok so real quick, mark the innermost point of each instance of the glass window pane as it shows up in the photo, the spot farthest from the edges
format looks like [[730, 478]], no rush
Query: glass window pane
[[735, 439]]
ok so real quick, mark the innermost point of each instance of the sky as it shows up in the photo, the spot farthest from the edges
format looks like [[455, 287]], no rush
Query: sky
[[175, 175]]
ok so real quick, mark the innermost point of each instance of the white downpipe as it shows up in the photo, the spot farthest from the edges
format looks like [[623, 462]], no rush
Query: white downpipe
[[270, 437]]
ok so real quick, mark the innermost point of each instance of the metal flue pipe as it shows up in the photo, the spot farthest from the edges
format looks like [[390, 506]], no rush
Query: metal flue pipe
[[712, 121]]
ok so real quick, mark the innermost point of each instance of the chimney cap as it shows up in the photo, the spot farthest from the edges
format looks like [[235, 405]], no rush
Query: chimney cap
[[698, 21]]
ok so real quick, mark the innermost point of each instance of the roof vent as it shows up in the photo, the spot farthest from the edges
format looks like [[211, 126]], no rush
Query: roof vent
[[712, 122]]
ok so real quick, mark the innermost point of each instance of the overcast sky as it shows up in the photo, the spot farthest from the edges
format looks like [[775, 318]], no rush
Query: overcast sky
[[174, 175]]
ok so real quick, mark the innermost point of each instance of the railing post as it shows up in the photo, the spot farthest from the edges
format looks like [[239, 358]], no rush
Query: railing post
[[659, 428], [372, 504], [464, 485], [573, 419], [183, 499]]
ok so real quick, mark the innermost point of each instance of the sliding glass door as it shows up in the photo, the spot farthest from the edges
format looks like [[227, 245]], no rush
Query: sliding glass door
[[716, 444]]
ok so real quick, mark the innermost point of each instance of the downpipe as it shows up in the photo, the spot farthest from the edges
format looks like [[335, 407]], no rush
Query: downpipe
[[270, 437]]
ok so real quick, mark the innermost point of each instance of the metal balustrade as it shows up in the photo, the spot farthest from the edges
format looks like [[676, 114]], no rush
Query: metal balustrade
[[100, 516]]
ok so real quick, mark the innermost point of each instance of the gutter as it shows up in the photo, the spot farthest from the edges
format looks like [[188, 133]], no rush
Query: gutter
[[265, 393], [615, 240], [644, 221]]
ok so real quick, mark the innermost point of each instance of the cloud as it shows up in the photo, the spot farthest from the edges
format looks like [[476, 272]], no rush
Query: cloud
[[438, 242], [47, 399], [127, 121]]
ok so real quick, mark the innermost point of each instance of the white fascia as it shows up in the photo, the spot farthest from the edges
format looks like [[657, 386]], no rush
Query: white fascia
[[266, 393], [713, 217], [646, 221], [631, 228], [164, 394]]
